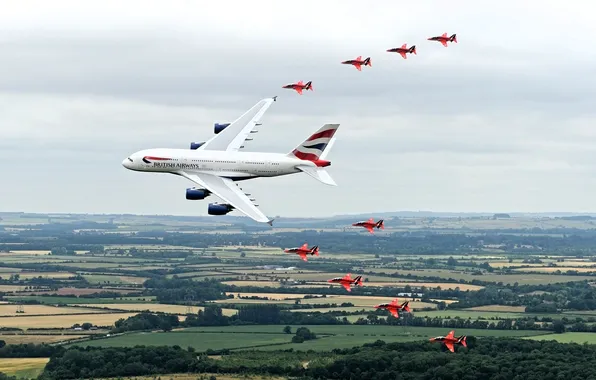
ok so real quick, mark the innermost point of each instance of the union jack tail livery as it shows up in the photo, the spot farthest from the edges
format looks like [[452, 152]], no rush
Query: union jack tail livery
[[313, 152]]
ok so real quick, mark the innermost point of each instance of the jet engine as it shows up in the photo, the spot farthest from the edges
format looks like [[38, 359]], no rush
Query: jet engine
[[219, 127], [219, 209], [196, 145], [195, 194]]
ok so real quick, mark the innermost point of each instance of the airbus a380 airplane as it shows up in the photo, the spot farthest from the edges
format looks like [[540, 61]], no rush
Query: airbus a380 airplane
[[217, 164]]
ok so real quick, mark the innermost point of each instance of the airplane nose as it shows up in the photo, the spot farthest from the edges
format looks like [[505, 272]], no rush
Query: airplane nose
[[125, 163]]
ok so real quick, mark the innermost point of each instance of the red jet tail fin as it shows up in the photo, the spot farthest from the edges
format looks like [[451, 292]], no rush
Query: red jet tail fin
[[413, 50], [453, 38], [381, 224], [406, 306], [463, 341], [315, 250], [358, 280], [367, 62], [308, 86]]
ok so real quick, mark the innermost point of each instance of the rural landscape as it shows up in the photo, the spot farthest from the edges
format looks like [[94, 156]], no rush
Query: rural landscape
[[130, 296]]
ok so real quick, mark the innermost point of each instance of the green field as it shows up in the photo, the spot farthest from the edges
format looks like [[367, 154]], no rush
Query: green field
[[522, 279], [50, 300], [270, 337], [568, 337]]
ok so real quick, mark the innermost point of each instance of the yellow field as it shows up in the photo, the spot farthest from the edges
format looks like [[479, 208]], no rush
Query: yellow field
[[11, 288], [13, 253], [11, 310], [64, 321], [443, 285], [554, 269], [31, 366], [499, 308], [271, 296], [272, 284], [154, 307], [37, 339]]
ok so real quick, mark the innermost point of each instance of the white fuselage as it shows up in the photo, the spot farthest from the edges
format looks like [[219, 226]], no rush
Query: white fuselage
[[234, 165]]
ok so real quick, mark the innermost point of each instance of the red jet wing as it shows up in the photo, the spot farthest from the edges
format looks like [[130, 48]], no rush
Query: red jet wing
[[394, 312], [370, 229], [303, 256], [444, 43], [298, 90], [403, 54], [451, 335], [347, 286], [449, 346], [358, 66]]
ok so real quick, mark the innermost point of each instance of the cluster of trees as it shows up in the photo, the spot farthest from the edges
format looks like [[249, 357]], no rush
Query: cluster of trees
[[147, 321], [90, 362], [486, 359], [178, 290], [548, 298], [64, 238], [303, 334]]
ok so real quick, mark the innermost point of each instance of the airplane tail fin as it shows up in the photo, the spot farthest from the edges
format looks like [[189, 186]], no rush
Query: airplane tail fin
[[308, 86], [315, 149], [367, 62], [315, 250], [358, 280], [413, 50], [381, 224], [453, 38], [406, 306], [463, 341], [317, 146]]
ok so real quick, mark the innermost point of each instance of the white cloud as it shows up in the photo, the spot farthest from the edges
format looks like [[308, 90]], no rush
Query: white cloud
[[501, 121]]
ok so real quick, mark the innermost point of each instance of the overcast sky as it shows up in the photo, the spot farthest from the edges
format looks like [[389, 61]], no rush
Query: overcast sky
[[504, 120]]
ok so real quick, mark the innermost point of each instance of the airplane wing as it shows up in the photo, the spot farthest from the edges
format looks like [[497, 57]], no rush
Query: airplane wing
[[299, 90], [394, 313], [370, 229], [228, 191], [403, 54], [444, 43], [346, 286], [303, 256], [232, 137], [450, 335], [450, 347], [358, 67]]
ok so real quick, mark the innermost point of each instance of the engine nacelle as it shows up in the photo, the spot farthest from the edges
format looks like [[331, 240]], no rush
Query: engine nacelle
[[219, 209], [219, 127], [196, 145], [195, 194]]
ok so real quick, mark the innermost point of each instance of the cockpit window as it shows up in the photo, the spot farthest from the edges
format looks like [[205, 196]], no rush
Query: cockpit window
[[129, 159]]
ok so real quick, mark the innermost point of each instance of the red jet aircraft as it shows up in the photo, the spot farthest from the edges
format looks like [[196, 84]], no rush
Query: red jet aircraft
[[346, 281], [394, 307], [358, 62], [444, 39], [303, 251], [403, 50], [370, 224], [298, 87], [450, 340]]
